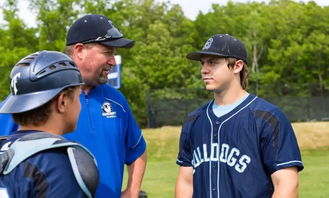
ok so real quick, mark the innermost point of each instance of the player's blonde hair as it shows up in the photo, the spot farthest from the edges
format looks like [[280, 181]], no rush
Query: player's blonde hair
[[243, 73]]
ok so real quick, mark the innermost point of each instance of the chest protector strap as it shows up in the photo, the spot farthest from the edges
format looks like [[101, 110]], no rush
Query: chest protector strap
[[83, 163]]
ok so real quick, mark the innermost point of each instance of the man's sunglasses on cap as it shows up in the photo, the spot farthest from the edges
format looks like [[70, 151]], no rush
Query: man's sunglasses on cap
[[112, 33]]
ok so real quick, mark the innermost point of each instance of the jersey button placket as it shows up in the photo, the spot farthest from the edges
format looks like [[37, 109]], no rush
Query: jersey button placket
[[216, 129]]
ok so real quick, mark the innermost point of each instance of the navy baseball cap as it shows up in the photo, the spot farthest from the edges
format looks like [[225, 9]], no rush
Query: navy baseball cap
[[223, 45], [94, 28]]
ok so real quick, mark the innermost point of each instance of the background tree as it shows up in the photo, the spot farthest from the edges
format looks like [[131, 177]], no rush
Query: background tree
[[16, 41], [287, 43]]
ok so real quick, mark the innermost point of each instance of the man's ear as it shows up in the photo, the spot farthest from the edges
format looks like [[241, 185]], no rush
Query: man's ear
[[79, 51], [61, 102], [238, 66]]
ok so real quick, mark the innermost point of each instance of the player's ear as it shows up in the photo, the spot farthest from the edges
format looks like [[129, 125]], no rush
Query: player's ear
[[238, 66], [61, 102]]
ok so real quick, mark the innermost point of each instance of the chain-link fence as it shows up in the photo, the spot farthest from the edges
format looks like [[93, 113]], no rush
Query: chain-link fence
[[170, 107]]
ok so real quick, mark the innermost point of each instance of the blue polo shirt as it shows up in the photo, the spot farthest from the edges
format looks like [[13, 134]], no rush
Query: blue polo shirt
[[108, 129]]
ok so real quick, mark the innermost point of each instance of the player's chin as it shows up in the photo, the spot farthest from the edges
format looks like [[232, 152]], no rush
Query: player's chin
[[209, 87]]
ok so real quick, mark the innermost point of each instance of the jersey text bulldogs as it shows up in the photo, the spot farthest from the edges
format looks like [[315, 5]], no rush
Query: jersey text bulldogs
[[230, 156]]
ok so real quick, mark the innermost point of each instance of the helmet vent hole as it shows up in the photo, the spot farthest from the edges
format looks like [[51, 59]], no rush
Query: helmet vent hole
[[23, 64], [62, 64], [52, 67], [29, 59]]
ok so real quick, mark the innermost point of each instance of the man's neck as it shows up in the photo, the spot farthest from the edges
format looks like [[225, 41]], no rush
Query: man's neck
[[86, 89], [229, 96]]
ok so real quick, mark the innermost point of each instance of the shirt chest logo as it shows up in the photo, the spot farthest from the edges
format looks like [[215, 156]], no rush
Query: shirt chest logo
[[108, 111]]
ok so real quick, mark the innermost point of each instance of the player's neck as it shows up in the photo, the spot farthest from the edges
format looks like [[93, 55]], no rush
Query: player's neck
[[229, 96], [43, 128]]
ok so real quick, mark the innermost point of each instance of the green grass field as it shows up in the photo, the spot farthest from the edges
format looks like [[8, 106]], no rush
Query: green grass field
[[161, 172]]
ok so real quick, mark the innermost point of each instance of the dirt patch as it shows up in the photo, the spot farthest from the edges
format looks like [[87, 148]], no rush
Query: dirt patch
[[312, 135]]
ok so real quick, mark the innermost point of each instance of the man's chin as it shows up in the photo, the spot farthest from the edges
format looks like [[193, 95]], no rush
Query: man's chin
[[102, 80]]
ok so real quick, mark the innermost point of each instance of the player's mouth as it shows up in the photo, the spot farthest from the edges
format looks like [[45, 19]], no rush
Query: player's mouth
[[206, 79]]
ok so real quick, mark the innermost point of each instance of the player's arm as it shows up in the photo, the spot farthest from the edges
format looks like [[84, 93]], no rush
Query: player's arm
[[135, 177], [285, 183], [184, 183]]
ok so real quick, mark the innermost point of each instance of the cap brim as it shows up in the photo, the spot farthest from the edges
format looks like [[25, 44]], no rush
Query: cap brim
[[197, 55], [120, 43]]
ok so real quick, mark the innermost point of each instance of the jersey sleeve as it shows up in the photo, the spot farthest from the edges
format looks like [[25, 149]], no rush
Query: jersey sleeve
[[185, 151], [135, 141], [279, 145]]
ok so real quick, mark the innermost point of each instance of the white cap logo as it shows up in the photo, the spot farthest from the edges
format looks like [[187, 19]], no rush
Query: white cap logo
[[14, 82], [208, 44]]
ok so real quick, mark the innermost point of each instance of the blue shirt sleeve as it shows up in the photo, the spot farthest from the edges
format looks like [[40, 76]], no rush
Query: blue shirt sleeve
[[7, 124], [135, 142]]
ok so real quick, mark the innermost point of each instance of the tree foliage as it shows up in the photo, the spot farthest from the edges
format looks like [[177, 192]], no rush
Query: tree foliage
[[287, 42]]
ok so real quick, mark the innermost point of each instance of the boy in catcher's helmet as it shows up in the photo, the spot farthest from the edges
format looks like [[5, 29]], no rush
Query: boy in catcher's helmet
[[35, 160], [237, 145]]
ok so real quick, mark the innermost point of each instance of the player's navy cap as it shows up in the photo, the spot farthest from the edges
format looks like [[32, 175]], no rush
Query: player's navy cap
[[223, 45], [38, 78], [95, 28]]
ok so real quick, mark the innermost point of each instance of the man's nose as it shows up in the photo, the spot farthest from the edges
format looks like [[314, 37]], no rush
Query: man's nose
[[111, 61]]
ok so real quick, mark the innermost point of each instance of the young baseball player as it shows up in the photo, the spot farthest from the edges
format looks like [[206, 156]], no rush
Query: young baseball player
[[237, 145], [35, 160]]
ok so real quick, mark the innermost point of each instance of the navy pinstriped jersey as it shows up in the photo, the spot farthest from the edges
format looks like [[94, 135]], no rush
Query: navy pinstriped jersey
[[47, 174], [234, 156]]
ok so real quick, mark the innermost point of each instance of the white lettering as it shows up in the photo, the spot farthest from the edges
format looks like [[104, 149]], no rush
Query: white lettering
[[3, 193], [232, 160], [214, 152], [196, 158], [242, 165], [227, 155], [205, 154], [224, 153]]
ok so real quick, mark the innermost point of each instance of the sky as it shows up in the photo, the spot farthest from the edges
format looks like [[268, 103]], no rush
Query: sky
[[191, 8]]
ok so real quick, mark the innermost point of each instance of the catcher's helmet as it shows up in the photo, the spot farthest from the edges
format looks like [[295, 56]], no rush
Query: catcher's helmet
[[38, 78]]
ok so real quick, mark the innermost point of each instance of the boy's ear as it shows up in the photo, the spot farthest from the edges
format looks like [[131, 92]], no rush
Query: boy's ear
[[238, 66], [61, 102]]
